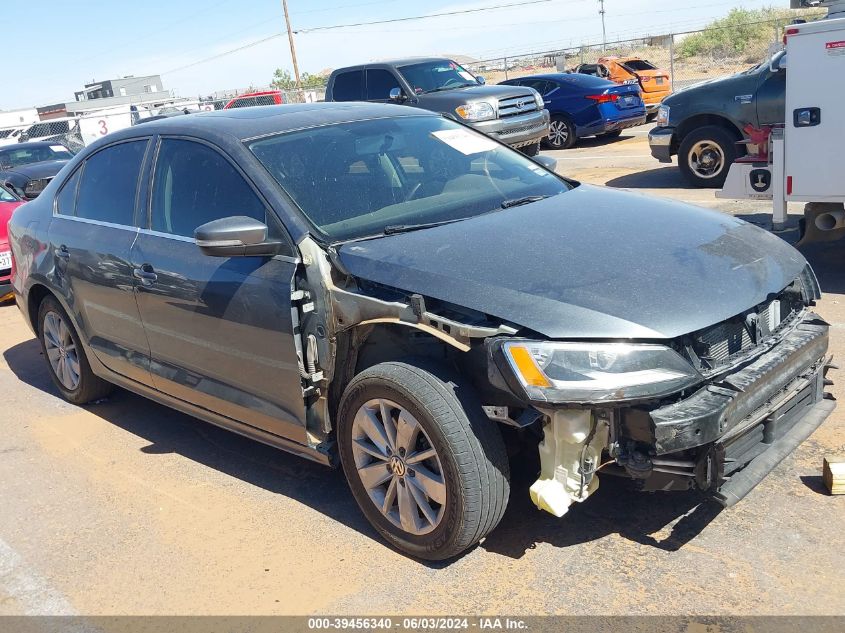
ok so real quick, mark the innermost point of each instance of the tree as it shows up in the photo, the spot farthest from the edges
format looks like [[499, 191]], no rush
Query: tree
[[282, 80]]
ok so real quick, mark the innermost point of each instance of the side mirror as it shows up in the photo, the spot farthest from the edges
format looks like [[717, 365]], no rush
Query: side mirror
[[481, 80], [779, 65], [548, 162], [396, 95], [236, 236]]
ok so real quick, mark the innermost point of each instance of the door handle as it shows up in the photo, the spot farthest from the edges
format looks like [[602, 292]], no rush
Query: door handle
[[62, 252], [145, 274]]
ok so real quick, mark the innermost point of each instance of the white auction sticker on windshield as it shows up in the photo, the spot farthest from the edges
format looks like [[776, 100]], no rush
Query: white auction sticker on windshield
[[466, 142], [58, 148], [466, 75]]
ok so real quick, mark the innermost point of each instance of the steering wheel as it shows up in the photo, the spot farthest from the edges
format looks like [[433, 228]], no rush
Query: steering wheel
[[450, 81], [412, 192]]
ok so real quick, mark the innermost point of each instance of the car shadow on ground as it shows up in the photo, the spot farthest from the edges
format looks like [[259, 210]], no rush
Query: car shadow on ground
[[601, 141], [668, 177], [617, 509]]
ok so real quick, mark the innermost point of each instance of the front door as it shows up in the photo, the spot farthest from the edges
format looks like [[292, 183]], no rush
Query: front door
[[220, 329], [91, 236]]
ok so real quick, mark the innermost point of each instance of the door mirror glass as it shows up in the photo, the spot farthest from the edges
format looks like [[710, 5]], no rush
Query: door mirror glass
[[778, 63], [396, 94], [546, 161], [481, 80], [235, 236]]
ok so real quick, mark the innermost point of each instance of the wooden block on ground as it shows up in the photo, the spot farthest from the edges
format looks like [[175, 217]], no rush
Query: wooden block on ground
[[834, 474]]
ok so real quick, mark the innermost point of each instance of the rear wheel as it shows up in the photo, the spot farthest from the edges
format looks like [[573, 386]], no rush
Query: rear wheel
[[705, 156], [427, 468], [65, 356], [561, 133]]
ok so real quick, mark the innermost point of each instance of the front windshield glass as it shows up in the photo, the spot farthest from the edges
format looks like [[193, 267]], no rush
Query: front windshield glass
[[355, 179], [438, 75], [26, 155]]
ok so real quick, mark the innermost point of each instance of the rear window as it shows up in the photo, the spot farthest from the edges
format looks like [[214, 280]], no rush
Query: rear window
[[585, 81], [349, 86], [109, 183], [638, 64]]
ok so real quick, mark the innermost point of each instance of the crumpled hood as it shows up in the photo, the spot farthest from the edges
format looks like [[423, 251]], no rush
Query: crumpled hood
[[589, 263]]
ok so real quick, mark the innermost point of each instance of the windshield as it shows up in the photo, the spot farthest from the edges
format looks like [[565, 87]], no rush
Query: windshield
[[434, 76], [5, 196], [26, 155], [638, 64], [356, 179]]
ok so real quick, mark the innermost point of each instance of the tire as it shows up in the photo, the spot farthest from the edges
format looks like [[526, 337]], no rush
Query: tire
[[58, 338], [705, 156], [466, 479], [531, 150], [614, 134], [562, 133]]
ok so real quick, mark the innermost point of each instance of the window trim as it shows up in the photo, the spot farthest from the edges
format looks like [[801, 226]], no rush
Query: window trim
[[81, 168], [269, 213]]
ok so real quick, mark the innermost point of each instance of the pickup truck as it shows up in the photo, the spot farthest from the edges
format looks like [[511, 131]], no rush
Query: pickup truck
[[513, 115], [702, 124]]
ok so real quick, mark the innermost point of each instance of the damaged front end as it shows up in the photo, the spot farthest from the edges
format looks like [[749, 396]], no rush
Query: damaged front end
[[714, 410], [752, 391]]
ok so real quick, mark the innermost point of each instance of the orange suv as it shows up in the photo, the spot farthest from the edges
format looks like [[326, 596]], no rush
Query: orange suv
[[654, 82]]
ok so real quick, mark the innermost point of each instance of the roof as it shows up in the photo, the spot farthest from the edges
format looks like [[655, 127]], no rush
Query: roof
[[402, 61], [245, 123], [32, 145]]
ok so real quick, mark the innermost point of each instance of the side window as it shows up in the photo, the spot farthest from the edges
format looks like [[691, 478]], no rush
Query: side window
[[193, 184], [349, 86], [109, 183], [66, 198], [379, 84], [540, 85]]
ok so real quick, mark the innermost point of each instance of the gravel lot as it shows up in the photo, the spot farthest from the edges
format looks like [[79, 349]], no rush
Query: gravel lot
[[127, 507]]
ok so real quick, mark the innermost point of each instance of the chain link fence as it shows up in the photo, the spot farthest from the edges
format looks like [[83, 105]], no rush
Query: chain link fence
[[687, 58]]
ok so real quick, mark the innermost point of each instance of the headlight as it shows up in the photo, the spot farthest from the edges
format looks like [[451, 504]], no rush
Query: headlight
[[597, 372], [662, 116], [538, 99], [479, 111]]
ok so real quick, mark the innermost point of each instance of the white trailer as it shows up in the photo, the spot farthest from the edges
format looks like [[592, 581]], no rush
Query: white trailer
[[804, 162]]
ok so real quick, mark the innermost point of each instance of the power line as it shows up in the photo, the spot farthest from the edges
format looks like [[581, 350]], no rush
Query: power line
[[420, 17]]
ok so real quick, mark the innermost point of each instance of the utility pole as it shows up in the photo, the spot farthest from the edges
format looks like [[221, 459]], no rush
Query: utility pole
[[603, 31], [292, 47]]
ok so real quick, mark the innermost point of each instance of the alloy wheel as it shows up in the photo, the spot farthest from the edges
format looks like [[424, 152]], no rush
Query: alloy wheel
[[706, 159], [61, 350], [398, 466], [558, 133]]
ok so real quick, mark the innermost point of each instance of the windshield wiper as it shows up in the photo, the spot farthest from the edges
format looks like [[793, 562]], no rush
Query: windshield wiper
[[449, 88], [393, 229], [507, 204]]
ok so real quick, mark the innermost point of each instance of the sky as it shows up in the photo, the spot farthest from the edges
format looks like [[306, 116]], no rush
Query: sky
[[73, 43]]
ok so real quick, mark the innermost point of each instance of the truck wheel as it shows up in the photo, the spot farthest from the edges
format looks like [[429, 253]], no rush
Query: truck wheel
[[705, 156], [531, 150], [561, 133], [427, 468], [65, 356]]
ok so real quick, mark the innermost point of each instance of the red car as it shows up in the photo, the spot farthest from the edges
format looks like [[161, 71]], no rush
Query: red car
[[8, 203], [266, 97]]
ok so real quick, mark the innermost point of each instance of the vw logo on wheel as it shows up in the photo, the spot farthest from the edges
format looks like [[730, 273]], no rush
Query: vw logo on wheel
[[397, 466]]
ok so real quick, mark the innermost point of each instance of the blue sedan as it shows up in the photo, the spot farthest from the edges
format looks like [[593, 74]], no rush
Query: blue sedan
[[581, 106]]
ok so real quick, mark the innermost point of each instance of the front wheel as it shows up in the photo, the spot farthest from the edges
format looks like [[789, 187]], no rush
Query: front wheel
[[706, 155], [427, 468], [561, 133]]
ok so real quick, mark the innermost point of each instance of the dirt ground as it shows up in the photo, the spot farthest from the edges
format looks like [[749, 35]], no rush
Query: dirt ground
[[127, 507]]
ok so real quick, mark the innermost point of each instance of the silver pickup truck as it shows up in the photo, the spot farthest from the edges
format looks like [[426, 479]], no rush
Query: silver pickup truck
[[512, 114]]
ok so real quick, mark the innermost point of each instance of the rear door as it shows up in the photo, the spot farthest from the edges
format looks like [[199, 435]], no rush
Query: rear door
[[220, 329], [91, 235]]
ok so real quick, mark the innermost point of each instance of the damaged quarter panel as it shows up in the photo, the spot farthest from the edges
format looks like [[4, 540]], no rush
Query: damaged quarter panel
[[588, 264]]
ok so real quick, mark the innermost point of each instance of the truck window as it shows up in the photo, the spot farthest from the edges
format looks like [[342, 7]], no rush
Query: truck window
[[379, 84], [349, 86]]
